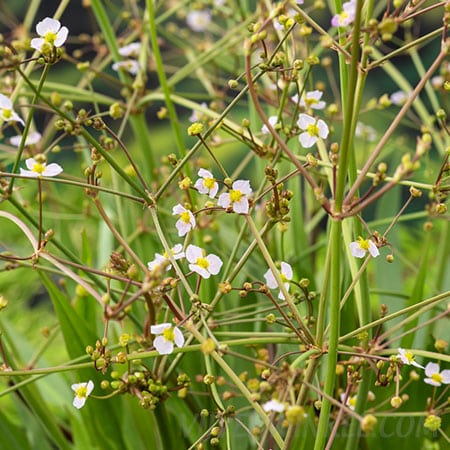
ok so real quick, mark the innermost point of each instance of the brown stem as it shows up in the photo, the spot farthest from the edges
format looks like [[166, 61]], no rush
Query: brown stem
[[404, 109], [276, 136]]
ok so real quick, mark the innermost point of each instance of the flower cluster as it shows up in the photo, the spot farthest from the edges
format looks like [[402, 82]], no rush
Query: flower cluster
[[312, 129], [235, 200], [130, 64], [199, 262], [434, 376]]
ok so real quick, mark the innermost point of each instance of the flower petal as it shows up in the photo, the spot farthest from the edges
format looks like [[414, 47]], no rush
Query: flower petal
[[46, 25], [193, 252], [178, 337], [224, 200], [304, 120], [163, 346], [158, 329]]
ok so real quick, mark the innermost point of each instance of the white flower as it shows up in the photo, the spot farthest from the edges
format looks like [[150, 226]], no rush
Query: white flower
[[38, 169], [407, 358], [207, 184], [159, 260], [437, 82], [51, 33], [167, 335], [197, 116], [312, 100], [7, 112], [313, 130], [398, 98], [31, 139], [350, 402], [130, 65], [236, 197], [273, 405], [436, 378], [365, 132], [204, 265], [82, 392], [360, 247], [198, 20], [132, 49], [285, 274], [272, 120], [186, 222], [347, 16]]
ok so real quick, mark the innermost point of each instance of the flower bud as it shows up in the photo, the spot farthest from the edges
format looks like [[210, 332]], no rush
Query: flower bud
[[368, 423], [432, 422], [396, 402]]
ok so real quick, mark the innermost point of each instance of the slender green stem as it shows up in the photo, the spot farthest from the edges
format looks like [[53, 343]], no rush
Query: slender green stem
[[334, 320], [152, 30], [307, 336]]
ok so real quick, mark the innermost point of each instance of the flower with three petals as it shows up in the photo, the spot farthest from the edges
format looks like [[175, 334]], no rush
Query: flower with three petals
[[186, 222], [38, 169], [434, 376], [313, 130], [206, 184], [51, 34], [160, 260], [204, 265], [360, 247], [237, 197], [82, 392], [167, 336], [7, 112], [407, 358], [285, 274]]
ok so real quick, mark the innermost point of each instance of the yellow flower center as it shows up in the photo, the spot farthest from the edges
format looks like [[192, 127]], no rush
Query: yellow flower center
[[185, 216], [342, 16], [437, 377], [311, 101], [209, 182], [235, 196], [81, 392], [352, 401], [409, 356], [50, 37], [168, 334], [313, 130], [364, 243], [7, 114], [39, 168], [202, 262], [283, 277]]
